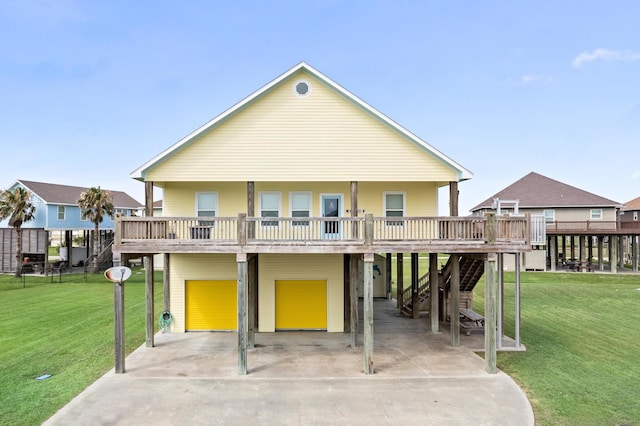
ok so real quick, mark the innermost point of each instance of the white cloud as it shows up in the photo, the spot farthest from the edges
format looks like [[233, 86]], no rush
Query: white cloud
[[537, 79], [605, 55]]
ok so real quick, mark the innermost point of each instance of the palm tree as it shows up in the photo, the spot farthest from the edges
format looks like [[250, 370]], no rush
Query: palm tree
[[95, 204], [15, 204]]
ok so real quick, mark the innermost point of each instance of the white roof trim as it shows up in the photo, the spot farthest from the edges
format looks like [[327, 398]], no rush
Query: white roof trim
[[463, 174]]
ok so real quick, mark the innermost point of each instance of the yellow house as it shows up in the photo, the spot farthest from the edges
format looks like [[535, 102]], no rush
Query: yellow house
[[278, 208]]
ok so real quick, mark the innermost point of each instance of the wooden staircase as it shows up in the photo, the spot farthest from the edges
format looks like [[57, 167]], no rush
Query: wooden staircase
[[423, 296], [471, 270]]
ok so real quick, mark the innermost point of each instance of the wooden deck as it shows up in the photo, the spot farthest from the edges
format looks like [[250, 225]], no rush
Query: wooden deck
[[368, 234], [593, 227]]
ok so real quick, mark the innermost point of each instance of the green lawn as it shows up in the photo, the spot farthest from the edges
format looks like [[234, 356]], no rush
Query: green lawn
[[63, 329], [582, 333]]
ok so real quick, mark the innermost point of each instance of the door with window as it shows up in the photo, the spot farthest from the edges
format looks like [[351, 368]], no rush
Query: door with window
[[331, 206]]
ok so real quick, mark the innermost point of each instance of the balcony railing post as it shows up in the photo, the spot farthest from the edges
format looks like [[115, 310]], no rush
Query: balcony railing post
[[368, 229], [117, 226], [490, 228], [242, 229]]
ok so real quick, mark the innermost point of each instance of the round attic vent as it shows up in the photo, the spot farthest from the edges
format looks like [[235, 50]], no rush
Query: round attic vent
[[302, 88]]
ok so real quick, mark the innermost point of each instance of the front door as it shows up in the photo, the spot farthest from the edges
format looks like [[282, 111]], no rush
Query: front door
[[331, 205]]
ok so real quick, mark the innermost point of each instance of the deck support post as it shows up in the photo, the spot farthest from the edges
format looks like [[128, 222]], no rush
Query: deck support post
[[399, 280], [613, 253], [241, 259], [415, 296], [553, 257], [490, 353], [454, 304], [149, 285], [387, 267], [354, 278], [252, 298], [600, 253], [434, 281], [368, 313], [517, 302], [148, 270], [572, 242], [166, 283], [634, 253], [500, 301], [621, 251], [118, 315]]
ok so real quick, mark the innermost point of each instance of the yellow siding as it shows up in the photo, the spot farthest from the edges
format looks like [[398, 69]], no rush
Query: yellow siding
[[180, 198], [196, 267], [421, 197], [323, 267], [283, 137]]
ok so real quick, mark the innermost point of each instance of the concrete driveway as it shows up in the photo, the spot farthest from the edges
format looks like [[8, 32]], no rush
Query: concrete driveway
[[305, 378]]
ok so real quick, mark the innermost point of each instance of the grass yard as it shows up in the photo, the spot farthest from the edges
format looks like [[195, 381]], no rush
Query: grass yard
[[63, 329], [582, 333]]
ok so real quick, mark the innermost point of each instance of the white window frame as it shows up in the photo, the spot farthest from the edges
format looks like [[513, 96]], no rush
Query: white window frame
[[386, 211], [291, 209], [595, 216], [214, 194], [549, 215], [268, 223], [63, 211]]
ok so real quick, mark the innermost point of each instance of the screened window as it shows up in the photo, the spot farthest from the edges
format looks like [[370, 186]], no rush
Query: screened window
[[300, 207], [596, 214], [394, 206], [269, 207], [549, 215], [62, 211], [206, 206]]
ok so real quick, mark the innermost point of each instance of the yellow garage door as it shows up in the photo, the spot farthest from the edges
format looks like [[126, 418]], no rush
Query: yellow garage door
[[211, 305], [301, 305]]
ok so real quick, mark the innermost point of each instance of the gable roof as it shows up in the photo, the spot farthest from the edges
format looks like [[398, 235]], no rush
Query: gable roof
[[140, 172], [632, 205], [537, 191], [52, 193]]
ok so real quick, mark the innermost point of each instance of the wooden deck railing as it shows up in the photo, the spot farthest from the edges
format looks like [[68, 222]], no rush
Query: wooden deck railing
[[304, 230], [601, 227], [583, 225]]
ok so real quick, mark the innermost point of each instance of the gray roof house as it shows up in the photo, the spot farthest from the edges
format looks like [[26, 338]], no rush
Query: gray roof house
[[572, 215]]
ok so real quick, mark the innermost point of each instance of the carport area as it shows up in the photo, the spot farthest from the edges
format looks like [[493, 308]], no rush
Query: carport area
[[305, 378]]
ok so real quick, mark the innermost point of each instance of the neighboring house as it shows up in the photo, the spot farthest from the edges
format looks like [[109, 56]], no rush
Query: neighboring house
[[57, 212], [281, 204], [575, 220], [630, 211], [630, 219]]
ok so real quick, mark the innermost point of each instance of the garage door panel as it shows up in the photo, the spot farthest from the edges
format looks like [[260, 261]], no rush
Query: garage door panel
[[211, 305], [301, 304]]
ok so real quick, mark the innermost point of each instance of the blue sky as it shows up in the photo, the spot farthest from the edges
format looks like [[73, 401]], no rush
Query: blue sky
[[91, 90]]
